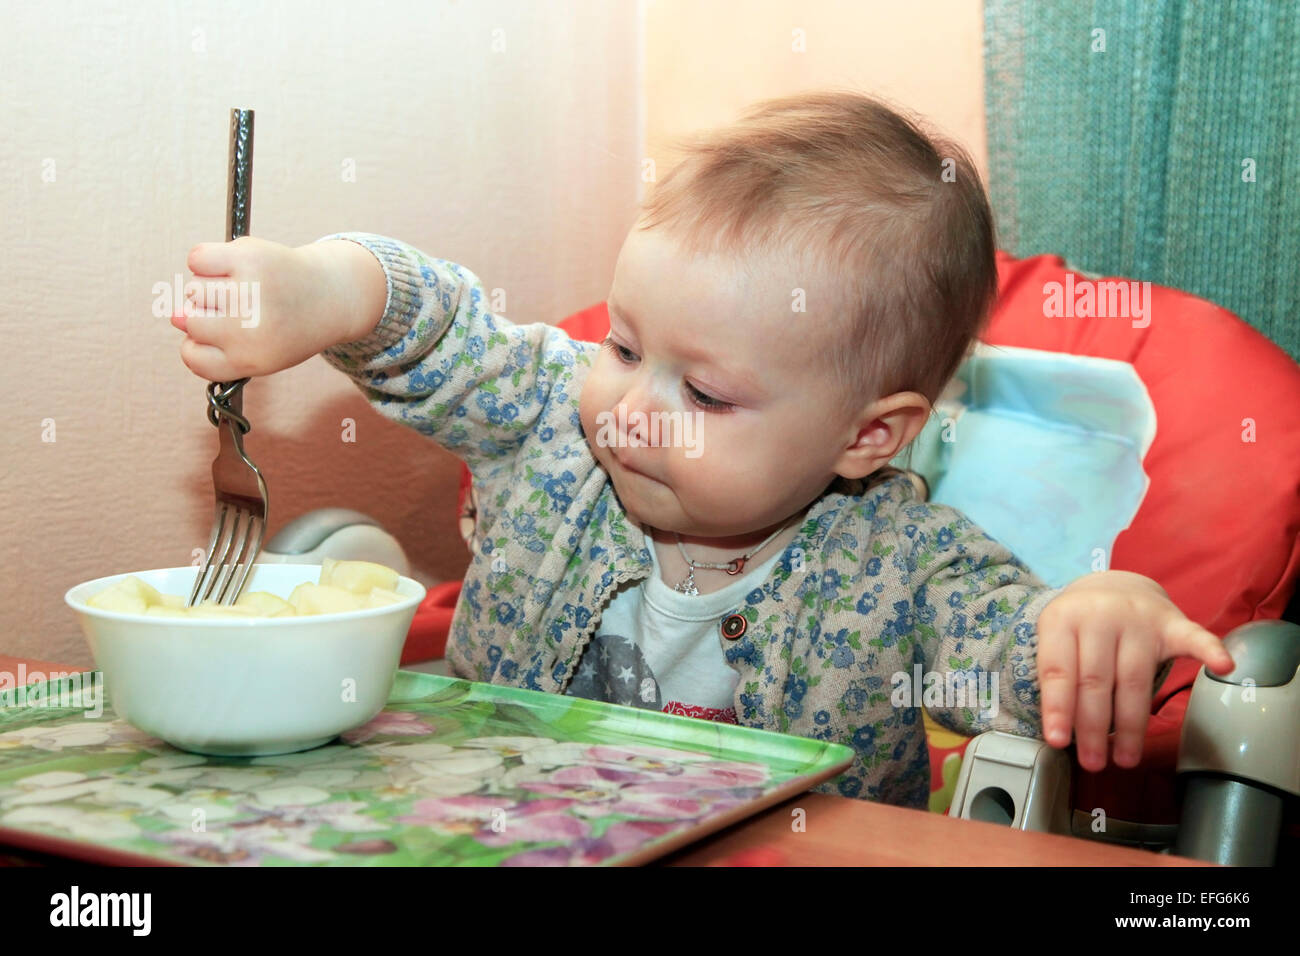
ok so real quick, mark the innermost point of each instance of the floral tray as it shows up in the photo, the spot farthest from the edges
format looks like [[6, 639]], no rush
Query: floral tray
[[449, 773]]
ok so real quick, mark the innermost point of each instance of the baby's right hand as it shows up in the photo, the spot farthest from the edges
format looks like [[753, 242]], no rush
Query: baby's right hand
[[264, 307]]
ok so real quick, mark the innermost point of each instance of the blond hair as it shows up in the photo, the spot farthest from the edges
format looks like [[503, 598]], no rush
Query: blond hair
[[893, 220]]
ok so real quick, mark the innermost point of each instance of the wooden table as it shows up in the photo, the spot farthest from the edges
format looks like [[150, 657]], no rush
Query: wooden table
[[837, 831], [843, 832]]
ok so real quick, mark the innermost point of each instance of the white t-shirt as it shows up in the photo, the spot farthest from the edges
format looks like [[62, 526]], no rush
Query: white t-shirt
[[658, 649]]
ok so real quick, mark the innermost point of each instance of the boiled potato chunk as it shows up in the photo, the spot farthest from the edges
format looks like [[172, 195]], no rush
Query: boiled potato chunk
[[265, 603], [308, 598], [207, 609], [343, 586], [129, 595], [378, 597], [202, 610], [112, 599], [163, 610], [359, 577]]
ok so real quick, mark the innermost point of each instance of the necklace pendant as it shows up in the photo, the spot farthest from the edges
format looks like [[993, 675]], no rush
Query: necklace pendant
[[687, 586]]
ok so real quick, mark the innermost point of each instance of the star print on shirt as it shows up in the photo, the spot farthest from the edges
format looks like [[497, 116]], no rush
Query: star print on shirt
[[614, 670]]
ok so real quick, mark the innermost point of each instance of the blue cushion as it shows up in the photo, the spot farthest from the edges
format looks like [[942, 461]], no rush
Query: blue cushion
[[1043, 450]]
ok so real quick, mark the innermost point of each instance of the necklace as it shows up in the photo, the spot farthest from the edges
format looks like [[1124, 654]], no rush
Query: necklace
[[734, 566]]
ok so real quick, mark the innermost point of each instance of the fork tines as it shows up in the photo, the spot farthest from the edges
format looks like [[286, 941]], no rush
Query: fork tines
[[220, 570]]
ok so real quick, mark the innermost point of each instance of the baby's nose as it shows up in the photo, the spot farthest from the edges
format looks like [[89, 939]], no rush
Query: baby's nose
[[636, 414]]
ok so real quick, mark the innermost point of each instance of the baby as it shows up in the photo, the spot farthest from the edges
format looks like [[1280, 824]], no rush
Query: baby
[[699, 514]]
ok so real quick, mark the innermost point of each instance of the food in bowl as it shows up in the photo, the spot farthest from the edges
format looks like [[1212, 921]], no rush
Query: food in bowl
[[343, 586], [246, 685]]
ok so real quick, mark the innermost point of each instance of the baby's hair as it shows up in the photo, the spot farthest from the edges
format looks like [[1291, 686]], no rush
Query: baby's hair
[[891, 224]]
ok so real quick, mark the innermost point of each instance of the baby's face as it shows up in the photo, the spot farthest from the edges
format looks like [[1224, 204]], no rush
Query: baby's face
[[736, 384]]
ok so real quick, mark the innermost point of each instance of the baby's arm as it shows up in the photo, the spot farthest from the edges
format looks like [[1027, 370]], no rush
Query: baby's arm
[[976, 608], [440, 362], [411, 330]]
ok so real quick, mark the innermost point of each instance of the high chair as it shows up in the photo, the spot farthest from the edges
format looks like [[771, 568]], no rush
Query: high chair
[[1161, 439]]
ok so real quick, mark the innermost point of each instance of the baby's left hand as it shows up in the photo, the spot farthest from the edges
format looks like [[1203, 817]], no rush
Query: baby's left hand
[[1110, 631]]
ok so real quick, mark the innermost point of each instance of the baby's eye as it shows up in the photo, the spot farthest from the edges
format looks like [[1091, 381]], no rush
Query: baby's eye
[[622, 354], [706, 402]]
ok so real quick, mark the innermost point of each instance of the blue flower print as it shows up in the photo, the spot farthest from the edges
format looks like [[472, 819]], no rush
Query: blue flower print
[[554, 487], [864, 741], [849, 786], [469, 593], [743, 652], [897, 627]]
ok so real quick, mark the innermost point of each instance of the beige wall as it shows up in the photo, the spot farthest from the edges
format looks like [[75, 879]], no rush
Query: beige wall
[[522, 164], [706, 61]]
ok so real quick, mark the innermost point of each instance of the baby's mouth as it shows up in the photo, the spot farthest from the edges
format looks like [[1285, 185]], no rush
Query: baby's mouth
[[631, 470]]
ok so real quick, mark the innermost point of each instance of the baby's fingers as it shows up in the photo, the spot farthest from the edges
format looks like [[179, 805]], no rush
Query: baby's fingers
[[210, 259], [207, 361], [1182, 637], [1058, 668], [1135, 669]]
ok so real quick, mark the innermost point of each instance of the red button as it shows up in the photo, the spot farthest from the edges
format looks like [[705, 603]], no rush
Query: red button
[[734, 626]]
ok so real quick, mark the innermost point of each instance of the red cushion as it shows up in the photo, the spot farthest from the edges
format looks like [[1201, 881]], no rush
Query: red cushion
[[1219, 528], [589, 325]]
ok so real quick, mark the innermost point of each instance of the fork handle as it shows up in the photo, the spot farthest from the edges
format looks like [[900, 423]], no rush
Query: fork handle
[[240, 184], [239, 193], [226, 401]]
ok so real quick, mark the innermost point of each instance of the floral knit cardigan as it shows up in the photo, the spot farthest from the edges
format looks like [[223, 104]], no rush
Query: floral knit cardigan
[[877, 589]]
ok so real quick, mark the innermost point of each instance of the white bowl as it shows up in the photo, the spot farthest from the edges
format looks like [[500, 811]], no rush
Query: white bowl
[[232, 687]]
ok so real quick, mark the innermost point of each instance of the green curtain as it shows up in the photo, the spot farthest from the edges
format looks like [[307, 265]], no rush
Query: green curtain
[[1136, 160]]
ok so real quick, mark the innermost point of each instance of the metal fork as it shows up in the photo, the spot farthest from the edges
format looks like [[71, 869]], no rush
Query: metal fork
[[238, 483]]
